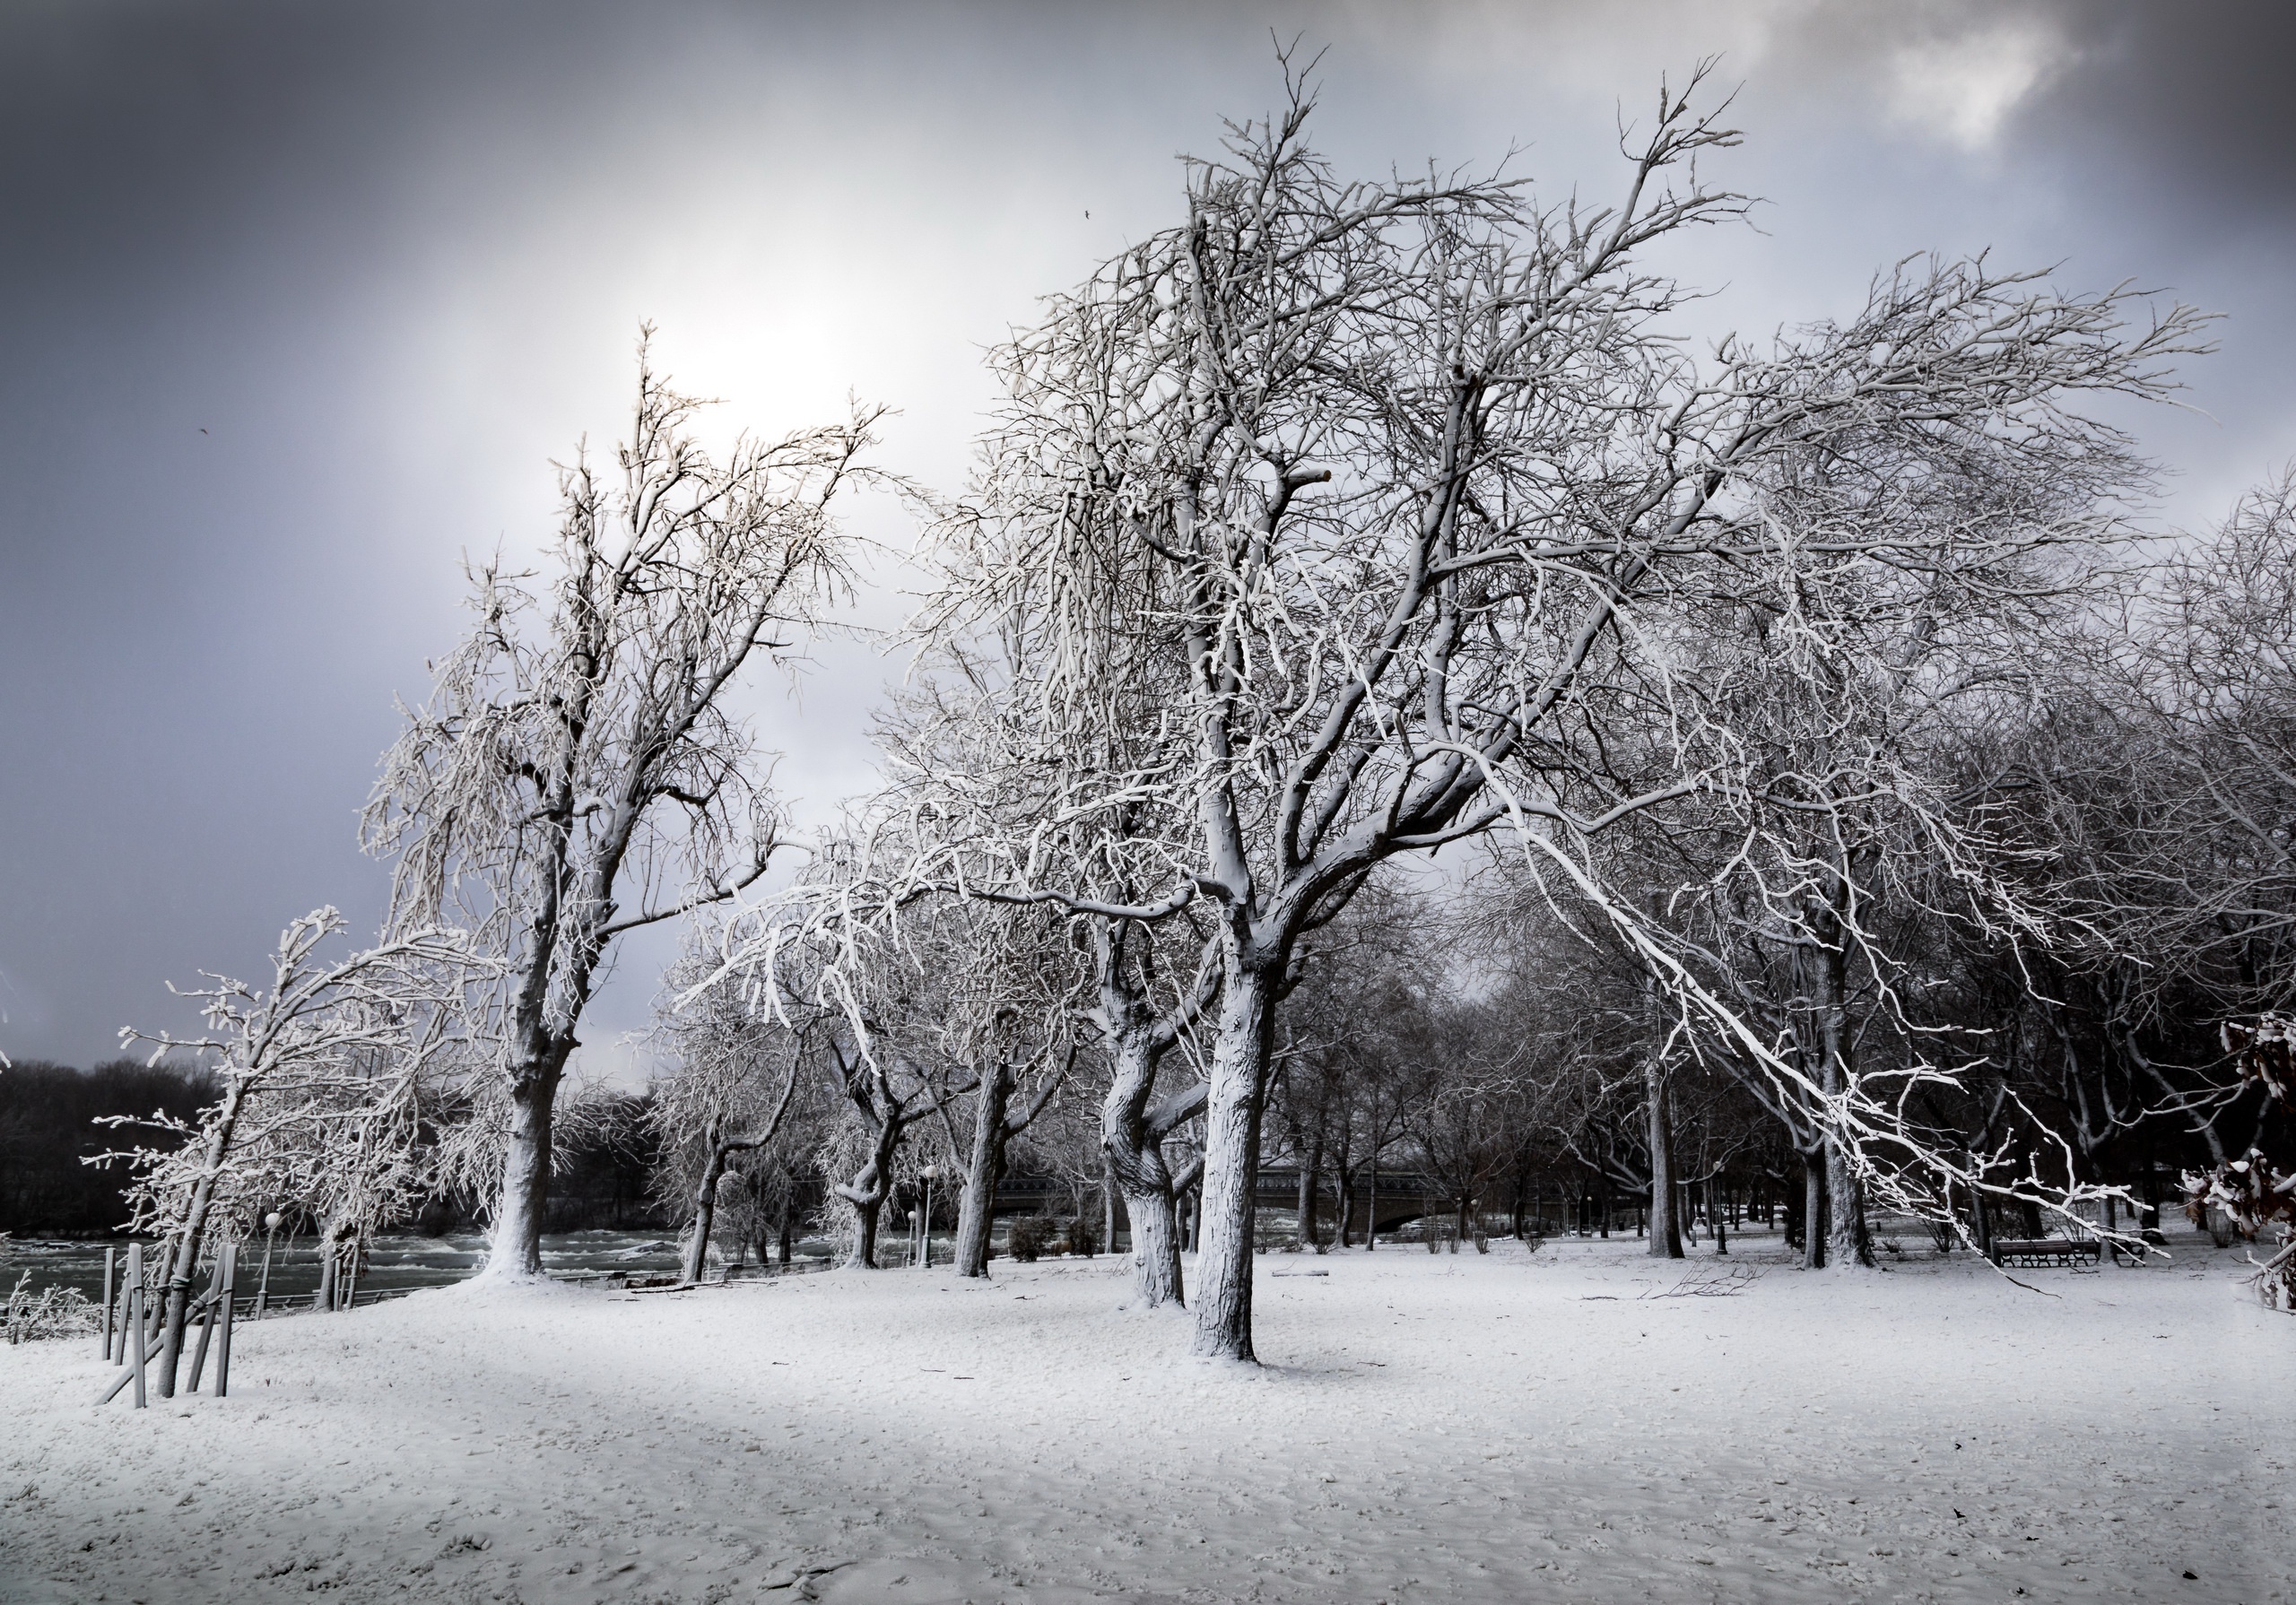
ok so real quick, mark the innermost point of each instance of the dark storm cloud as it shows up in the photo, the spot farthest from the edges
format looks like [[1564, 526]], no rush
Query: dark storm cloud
[[2191, 101], [296, 302]]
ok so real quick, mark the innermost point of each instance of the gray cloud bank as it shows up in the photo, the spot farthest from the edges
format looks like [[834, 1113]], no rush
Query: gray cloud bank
[[296, 304]]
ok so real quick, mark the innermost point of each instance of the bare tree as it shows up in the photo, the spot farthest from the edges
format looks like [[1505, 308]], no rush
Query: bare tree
[[736, 1072], [576, 773]]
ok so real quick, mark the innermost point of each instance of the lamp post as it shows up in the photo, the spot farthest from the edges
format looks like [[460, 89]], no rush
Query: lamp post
[[925, 1235], [263, 1290]]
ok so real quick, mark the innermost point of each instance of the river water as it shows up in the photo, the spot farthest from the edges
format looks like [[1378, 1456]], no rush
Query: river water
[[394, 1263]]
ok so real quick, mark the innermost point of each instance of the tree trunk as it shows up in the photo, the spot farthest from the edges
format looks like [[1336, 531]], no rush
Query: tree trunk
[[1345, 1205], [1307, 1236], [861, 1248], [1108, 1206], [515, 1248], [1851, 1247], [784, 1226], [1814, 1209], [1718, 1214], [705, 1210], [984, 1168], [1239, 1060], [1665, 1224], [1852, 1244], [1132, 1147]]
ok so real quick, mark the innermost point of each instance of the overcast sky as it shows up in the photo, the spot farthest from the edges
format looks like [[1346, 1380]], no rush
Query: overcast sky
[[296, 302]]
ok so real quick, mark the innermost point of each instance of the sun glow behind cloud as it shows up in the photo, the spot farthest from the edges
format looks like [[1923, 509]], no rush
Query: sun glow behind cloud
[[1964, 88]]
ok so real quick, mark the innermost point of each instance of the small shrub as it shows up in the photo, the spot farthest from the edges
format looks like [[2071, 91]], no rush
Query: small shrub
[[1083, 1238], [53, 1313], [1893, 1248], [1029, 1236]]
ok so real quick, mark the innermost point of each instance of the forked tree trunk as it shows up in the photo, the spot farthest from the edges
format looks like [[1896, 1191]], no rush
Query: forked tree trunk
[[1237, 1101], [1132, 1146], [867, 1193]]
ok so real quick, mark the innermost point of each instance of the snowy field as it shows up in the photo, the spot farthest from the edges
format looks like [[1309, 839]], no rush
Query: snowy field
[[1426, 1429]]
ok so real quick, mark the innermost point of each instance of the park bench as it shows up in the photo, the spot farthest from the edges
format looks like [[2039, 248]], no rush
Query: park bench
[[2044, 1251]]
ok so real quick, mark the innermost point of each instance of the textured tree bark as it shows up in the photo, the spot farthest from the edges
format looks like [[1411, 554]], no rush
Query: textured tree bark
[[1848, 1245], [984, 1168], [1238, 1099], [1666, 1242], [1132, 1147], [1814, 1209], [861, 1248]]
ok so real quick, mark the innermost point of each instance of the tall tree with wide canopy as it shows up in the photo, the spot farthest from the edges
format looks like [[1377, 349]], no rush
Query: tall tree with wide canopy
[[1434, 487]]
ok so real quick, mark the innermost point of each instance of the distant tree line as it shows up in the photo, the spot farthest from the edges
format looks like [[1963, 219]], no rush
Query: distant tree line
[[49, 1136]]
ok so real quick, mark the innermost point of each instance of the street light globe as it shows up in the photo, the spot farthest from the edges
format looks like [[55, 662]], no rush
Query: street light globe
[[271, 1221]]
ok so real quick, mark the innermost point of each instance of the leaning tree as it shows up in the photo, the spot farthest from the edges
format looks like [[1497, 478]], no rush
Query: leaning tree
[[319, 1076], [578, 772]]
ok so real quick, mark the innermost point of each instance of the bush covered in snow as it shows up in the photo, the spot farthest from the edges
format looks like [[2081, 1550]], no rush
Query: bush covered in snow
[[52, 1313]]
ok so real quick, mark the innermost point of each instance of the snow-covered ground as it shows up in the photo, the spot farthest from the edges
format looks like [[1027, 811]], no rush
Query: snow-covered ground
[[1494, 1428]]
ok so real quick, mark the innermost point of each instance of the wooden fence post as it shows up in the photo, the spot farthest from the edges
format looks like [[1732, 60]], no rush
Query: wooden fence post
[[135, 1323], [207, 1331], [109, 1252]]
